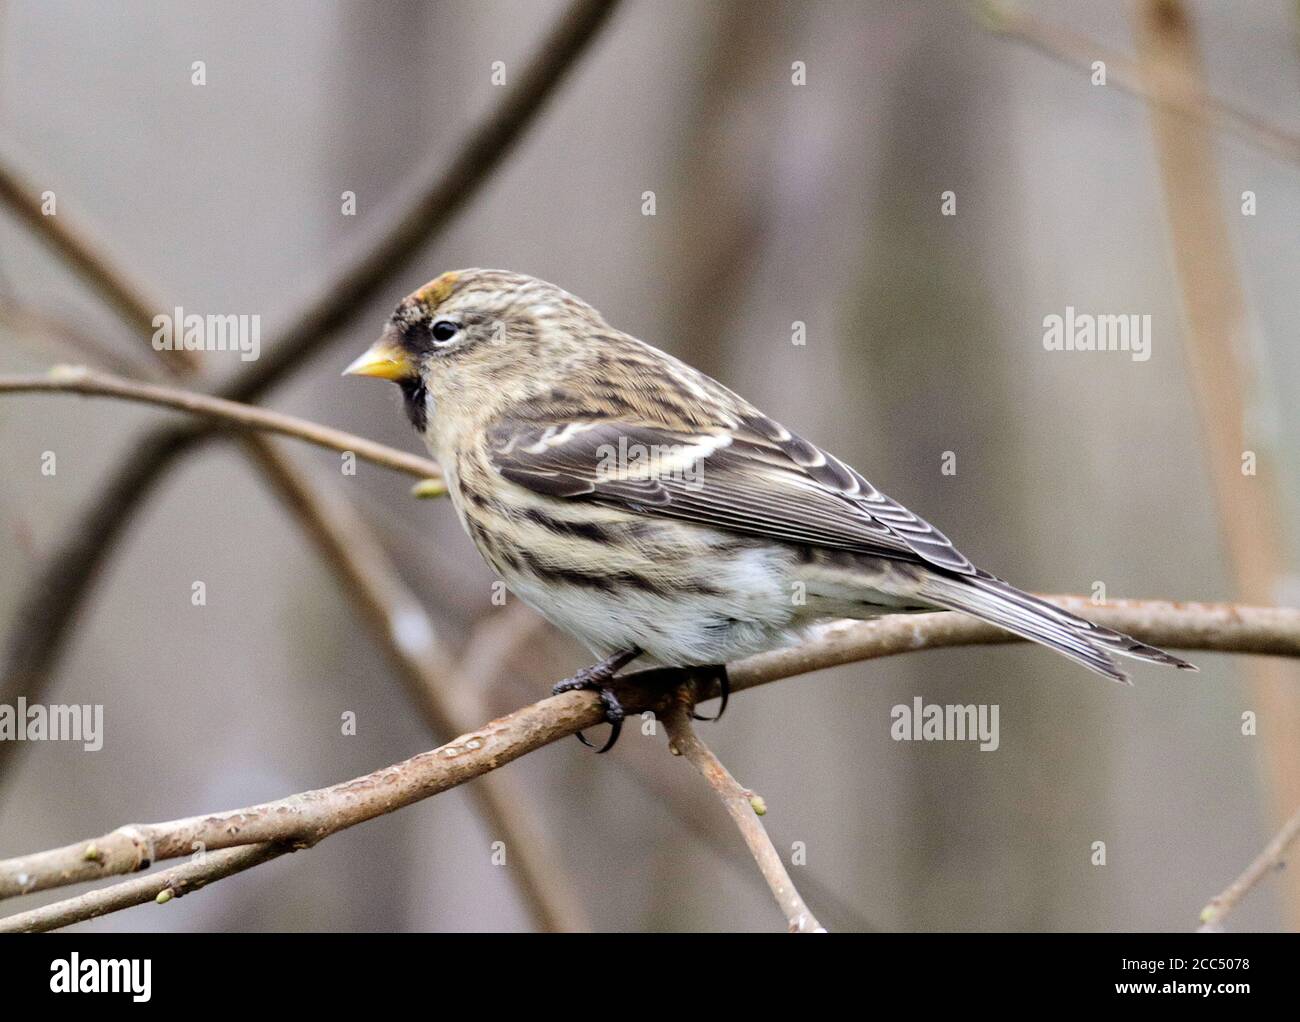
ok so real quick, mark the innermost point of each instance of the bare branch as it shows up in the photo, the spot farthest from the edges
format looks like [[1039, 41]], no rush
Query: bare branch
[[79, 380], [161, 887], [745, 808], [1270, 859], [1218, 627], [306, 818]]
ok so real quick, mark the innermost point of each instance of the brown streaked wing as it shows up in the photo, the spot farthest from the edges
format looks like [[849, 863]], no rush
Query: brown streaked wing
[[757, 478]]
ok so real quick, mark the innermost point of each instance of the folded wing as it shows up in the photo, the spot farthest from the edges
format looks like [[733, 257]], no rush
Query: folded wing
[[753, 477]]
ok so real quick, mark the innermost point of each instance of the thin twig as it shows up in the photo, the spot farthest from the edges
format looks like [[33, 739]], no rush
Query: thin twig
[[1270, 859], [160, 887], [1216, 627], [80, 380], [745, 808], [308, 817]]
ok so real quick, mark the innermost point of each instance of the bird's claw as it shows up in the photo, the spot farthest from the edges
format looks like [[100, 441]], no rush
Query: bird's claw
[[718, 674], [596, 679], [613, 717]]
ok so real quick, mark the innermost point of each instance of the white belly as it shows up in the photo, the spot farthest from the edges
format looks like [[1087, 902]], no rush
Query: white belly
[[747, 608]]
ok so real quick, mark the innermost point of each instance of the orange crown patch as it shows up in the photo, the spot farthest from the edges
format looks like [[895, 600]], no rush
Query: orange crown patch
[[436, 291]]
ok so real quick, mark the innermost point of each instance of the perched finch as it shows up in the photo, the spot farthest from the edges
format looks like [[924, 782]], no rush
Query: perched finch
[[644, 508]]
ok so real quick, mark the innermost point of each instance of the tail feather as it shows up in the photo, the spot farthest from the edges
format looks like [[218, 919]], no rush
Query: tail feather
[[992, 600]]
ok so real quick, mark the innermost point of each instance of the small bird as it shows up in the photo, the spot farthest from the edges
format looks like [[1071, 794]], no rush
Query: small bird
[[644, 508]]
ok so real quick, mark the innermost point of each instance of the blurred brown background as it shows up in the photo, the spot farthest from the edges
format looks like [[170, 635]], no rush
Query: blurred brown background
[[775, 203]]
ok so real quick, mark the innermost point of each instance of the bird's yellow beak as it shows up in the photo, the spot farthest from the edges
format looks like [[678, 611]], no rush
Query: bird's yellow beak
[[385, 359]]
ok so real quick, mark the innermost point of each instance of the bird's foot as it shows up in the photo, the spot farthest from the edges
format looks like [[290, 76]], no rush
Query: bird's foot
[[596, 678], [696, 683]]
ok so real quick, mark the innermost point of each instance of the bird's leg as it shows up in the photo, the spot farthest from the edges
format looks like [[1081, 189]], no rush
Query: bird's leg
[[597, 678]]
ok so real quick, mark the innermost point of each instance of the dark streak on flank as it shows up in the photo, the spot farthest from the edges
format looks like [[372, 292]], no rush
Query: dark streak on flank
[[480, 534], [607, 582], [578, 530]]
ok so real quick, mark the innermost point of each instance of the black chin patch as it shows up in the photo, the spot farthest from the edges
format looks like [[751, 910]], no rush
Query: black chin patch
[[413, 394]]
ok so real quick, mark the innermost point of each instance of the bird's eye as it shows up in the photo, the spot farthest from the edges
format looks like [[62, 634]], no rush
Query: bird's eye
[[444, 330]]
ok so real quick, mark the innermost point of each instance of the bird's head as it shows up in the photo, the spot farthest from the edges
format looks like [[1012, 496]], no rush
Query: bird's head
[[470, 337]]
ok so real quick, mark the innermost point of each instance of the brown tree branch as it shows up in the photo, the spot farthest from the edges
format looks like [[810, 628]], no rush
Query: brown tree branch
[[304, 819], [52, 599], [745, 808], [159, 887], [80, 380]]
